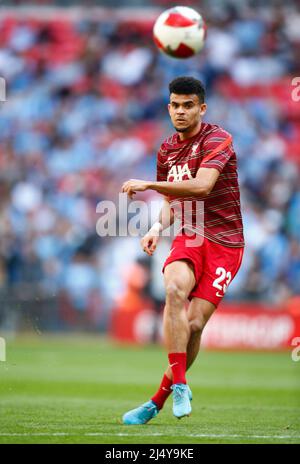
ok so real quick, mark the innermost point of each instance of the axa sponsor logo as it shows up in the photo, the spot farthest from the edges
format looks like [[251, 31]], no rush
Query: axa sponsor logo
[[177, 173]]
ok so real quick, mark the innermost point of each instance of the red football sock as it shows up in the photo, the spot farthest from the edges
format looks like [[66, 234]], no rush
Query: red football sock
[[178, 365], [163, 392]]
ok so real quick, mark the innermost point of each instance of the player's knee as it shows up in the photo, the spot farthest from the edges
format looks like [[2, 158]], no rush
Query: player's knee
[[197, 325], [175, 293]]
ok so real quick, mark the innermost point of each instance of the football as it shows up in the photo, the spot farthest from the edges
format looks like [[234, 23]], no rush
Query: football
[[180, 32]]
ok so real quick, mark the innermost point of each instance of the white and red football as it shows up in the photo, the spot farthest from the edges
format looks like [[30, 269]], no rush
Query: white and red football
[[180, 32]]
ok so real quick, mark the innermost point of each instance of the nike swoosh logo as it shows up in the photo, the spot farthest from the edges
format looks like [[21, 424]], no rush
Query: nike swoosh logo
[[174, 364], [171, 157], [164, 388]]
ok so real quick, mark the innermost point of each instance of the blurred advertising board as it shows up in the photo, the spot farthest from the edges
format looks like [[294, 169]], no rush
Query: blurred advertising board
[[242, 326]]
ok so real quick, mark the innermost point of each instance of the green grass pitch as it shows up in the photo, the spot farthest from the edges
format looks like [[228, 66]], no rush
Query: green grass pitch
[[75, 390]]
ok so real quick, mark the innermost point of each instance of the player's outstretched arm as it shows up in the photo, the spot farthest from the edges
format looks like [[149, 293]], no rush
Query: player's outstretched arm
[[166, 219], [201, 185]]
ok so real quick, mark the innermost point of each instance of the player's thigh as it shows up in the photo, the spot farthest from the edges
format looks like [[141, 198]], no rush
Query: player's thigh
[[199, 312], [179, 275]]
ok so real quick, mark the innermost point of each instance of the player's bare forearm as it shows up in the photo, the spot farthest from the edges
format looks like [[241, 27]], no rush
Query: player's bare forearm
[[166, 219], [183, 188], [166, 215], [201, 185]]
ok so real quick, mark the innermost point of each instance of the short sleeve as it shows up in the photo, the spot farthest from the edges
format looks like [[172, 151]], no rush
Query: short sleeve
[[218, 150], [161, 168]]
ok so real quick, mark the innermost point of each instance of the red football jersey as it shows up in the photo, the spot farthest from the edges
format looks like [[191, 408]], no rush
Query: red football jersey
[[218, 215]]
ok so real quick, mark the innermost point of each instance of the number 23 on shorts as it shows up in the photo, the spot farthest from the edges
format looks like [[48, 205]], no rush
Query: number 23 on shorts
[[222, 281]]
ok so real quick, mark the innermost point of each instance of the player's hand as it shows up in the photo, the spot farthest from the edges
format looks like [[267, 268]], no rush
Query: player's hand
[[149, 243], [134, 185]]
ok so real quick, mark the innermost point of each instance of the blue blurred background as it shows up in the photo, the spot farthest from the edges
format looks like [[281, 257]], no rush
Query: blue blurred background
[[86, 110]]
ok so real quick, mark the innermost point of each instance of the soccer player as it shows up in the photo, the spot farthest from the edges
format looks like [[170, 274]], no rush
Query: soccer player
[[196, 171]]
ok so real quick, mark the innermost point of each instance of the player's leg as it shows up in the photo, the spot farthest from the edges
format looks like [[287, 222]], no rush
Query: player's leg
[[179, 281], [199, 312]]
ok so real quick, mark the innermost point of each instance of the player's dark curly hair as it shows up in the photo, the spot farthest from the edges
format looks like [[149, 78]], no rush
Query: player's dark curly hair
[[186, 85]]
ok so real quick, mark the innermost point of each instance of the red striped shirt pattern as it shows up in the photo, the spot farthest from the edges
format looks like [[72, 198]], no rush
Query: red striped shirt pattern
[[210, 148]]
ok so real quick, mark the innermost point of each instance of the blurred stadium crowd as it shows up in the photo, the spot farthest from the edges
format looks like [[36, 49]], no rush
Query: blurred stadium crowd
[[86, 110]]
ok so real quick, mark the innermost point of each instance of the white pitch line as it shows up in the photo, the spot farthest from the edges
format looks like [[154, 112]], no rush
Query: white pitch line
[[145, 435]]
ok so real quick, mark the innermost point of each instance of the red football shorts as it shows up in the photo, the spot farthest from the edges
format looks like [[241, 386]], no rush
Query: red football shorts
[[215, 265]]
